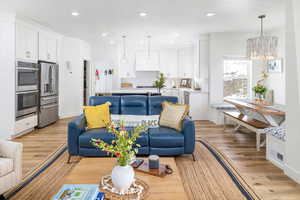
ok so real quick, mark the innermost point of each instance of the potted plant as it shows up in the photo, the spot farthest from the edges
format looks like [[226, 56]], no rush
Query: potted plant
[[124, 147], [260, 91], [160, 83]]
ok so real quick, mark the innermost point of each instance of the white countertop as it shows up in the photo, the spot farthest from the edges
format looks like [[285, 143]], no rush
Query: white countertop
[[153, 90]]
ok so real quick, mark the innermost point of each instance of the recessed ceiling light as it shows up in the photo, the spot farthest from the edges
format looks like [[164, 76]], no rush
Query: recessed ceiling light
[[210, 14], [176, 34], [75, 13], [143, 14], [104, 34], [112, 42]]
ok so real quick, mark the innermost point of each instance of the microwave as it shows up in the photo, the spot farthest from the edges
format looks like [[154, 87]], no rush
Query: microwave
[[26, 103], [27, 76]]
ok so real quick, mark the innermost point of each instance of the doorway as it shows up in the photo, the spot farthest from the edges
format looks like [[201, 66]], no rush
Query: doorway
[[86, 82]]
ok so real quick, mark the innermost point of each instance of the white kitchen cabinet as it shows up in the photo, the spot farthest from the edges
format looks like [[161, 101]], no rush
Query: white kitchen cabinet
[[47, 47], [169, 62], [170, 92], [26, 43], [198, 104], [186, 62], [25, 125], [145, 62]]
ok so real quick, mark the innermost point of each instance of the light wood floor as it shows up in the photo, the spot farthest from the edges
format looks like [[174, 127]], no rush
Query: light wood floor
[[265, 179], [40, 144]]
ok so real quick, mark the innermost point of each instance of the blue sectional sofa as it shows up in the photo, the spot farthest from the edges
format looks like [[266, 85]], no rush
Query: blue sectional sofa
[[161, 141]]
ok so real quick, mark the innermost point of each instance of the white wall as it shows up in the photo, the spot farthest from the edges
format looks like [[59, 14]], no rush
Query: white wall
[[234, 45], [276, 81], [74, 51], [292, 167], [105, 56], [7, 74]]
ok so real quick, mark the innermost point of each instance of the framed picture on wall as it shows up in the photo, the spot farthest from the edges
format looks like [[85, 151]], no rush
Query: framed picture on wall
[[275, 66], [186, 83]]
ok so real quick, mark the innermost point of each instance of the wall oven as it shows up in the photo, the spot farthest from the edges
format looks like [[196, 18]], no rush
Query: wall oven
[[27, 76], [26, 103]]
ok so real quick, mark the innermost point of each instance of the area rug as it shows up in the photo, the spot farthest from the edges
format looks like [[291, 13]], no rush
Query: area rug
[[212, 176], [44, 169]]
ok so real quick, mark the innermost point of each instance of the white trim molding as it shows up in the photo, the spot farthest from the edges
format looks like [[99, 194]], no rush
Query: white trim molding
[[292, 173]]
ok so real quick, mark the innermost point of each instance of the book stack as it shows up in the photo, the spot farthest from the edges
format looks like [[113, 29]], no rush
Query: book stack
[[79, 192]]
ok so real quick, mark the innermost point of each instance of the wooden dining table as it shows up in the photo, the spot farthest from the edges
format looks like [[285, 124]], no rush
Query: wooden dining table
[[272, 115]]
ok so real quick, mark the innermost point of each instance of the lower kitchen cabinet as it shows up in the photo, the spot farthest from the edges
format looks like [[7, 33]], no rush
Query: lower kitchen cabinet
[[25, 125], [198, 103]]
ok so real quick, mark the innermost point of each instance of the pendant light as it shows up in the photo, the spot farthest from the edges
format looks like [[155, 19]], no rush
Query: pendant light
[[149, 47], [124, 56], [262, 47]]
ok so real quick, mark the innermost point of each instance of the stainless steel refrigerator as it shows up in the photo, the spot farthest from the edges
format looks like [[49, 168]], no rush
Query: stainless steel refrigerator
[[48, 111]]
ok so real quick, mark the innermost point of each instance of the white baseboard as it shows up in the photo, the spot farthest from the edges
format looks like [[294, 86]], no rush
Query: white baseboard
[[292, 173]]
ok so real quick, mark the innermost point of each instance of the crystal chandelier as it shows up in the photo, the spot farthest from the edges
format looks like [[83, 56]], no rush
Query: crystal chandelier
[[262, 47]]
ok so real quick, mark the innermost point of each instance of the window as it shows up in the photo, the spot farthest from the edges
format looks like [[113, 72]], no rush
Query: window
[[237, 78]]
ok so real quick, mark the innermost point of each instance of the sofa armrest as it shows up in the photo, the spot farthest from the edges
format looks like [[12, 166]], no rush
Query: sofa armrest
[[189, 135], [75, 128], [13, 150]]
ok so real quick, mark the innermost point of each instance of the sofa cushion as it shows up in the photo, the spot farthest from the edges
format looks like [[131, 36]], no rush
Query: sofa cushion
[[173, 114], [165, 137], [114, 108], [155, 106], [6, 166], [143, 140], [150, 121], [98, 133], [134, 105], [97, 116]]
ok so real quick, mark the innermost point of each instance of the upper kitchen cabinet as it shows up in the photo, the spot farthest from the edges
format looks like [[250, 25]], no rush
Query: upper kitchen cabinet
[[47, 47], [169, 62], [26, 43], [186, 62], [147, 62]]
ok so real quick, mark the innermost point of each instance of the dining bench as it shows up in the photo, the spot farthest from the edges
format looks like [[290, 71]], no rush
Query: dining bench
[[249, 123]]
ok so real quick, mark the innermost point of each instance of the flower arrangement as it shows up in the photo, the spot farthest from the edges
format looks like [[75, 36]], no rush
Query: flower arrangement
[[124, 147], [260, 91]]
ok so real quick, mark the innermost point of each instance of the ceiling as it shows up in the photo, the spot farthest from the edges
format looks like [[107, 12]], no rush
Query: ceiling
[[165, 17]]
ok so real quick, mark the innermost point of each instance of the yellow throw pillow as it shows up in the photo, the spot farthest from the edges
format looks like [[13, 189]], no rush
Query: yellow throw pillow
[[172, 115], [97, 116]]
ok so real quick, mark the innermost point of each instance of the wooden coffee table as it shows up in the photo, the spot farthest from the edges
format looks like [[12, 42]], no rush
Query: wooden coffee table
[[90, 171]]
